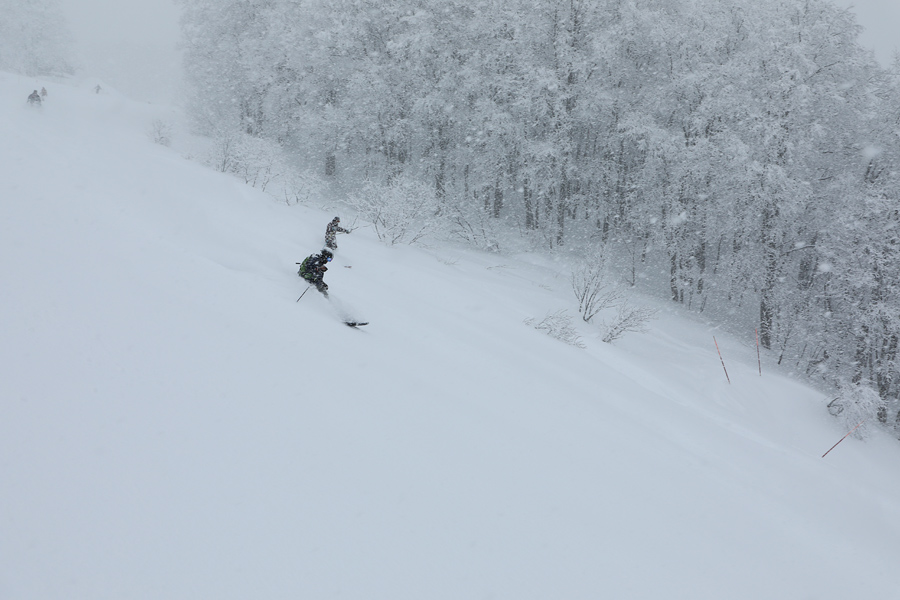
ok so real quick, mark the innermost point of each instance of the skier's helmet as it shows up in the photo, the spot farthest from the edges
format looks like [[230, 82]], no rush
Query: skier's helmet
[[336, 220], [328, 254]]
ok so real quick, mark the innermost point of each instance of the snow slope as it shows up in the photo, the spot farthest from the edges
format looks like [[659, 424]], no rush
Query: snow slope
[[175, 425]]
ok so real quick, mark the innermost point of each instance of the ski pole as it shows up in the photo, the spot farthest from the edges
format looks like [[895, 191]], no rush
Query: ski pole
[[722, 359], [845, 437], [304, 292]]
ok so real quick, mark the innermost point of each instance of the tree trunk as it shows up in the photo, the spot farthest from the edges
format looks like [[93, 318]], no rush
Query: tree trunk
[[767, 305], [531, 221]]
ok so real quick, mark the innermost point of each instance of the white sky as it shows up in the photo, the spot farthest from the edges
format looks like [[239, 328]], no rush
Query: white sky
[[881, 20], [154, 21]]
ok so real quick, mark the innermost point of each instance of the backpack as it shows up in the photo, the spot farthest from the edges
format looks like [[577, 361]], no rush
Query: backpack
[[304, 266]]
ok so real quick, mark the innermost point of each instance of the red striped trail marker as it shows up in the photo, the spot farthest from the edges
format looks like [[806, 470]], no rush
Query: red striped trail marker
[[723, 360], [845, 437]]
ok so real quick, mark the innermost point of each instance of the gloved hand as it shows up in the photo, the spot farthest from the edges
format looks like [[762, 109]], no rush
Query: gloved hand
[[323, 269]]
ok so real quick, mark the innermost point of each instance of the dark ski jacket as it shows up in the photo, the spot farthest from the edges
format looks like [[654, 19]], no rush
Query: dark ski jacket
[[313, 268], [34, 98]]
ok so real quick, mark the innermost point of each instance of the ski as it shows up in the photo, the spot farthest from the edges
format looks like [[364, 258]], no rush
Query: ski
[[355, 323]]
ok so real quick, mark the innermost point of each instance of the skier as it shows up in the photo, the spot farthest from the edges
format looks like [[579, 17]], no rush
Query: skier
[[313, 268], [34, 98], [43, 93], [331, 231]]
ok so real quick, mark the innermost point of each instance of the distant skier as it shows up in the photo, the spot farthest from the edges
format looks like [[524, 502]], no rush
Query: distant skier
[[43, 93], [34, 98], [331, 231], [313, 268]]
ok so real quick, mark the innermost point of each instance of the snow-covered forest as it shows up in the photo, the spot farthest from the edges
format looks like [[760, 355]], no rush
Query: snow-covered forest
[[739, 158]]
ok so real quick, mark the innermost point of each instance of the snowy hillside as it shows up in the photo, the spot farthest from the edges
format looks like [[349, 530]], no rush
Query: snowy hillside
[[175, 425]]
